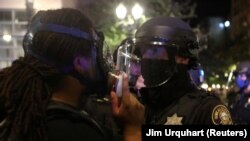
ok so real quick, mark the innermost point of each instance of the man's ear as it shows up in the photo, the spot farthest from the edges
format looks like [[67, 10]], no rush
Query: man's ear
[[81, 64]]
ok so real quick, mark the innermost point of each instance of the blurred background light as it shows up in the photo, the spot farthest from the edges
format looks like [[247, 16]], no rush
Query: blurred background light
[[7, 37], [227, 24], [121, 11], [221, 25], [137, 11]]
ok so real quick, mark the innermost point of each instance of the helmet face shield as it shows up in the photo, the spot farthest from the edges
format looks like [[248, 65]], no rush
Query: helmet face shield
[[128, 63], [147, 65]]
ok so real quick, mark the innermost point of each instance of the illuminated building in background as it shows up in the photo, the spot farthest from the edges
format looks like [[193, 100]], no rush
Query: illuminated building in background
[[14, 16]]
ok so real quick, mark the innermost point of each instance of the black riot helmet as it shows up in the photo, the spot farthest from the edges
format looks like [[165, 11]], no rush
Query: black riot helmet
[[57, 41], [242, 74], [157, 42]]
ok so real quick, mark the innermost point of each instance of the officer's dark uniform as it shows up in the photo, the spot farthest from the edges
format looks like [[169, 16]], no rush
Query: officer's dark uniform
[[195, 108], [181, 102], [241, 111], [67, 123]]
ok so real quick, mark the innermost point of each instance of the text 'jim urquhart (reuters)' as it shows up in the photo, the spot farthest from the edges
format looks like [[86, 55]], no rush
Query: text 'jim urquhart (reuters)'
[[193, 133]]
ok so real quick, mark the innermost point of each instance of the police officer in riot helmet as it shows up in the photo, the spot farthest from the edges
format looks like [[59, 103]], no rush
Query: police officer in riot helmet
[[41, 92], [241, 110], [166, 48]]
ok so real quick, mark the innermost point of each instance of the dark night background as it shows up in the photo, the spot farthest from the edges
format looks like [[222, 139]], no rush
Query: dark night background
[[211, 8]]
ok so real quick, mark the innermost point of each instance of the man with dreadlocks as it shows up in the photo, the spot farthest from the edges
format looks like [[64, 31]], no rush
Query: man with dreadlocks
[[41, 92]]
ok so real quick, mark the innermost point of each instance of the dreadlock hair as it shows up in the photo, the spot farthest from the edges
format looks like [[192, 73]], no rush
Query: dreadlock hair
[[26, 86]]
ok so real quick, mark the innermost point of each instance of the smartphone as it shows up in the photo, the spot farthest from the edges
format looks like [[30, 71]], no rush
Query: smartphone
[[118, 87]]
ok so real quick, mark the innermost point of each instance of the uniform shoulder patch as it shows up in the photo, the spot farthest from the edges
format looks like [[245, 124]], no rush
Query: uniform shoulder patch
[[221, 115]]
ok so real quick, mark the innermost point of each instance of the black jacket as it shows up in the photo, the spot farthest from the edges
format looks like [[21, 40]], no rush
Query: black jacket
[[241, 111], [66, 123], [197, 108]]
